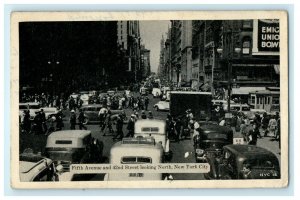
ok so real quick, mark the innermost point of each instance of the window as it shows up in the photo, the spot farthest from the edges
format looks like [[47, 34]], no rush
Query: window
[[63, 142], [275, 100], [247, 24], [252, 99], [246, 46]]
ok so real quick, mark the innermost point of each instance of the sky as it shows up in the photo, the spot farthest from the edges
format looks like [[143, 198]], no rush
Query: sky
[[151, 34]]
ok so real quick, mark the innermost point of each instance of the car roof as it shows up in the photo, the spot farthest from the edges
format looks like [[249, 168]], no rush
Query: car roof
[[70, 134], [250, 151], [92, 105], [212, 128]]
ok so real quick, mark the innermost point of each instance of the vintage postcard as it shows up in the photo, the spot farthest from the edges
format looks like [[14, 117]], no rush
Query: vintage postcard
[[149, 99]]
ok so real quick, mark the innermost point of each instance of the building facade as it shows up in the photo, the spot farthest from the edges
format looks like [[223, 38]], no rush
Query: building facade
[[145, 62]]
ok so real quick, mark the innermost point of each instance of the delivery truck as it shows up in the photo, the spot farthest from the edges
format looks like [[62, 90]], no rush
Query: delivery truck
[[198, 102]]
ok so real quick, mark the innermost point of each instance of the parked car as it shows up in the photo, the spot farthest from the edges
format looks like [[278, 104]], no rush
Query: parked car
[[162, 106], [156, 129], [73, 147], [210, 141], [140, 150], [244, 162], [35, 168]]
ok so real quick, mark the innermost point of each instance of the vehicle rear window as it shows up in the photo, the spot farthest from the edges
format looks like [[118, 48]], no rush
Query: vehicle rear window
[[63, 142], [216, 136], [23, 107], [259, 163], [133, 160], [245, 108], [150, 129]]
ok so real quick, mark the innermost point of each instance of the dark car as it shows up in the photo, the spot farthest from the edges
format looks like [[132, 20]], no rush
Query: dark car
[[244, 162], [210, 141], [91, 113]]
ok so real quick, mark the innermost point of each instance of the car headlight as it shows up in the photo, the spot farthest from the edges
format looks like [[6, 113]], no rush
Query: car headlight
[[199, 151]]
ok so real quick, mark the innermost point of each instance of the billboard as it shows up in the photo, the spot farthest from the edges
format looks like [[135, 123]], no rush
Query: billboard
[[266, 37]]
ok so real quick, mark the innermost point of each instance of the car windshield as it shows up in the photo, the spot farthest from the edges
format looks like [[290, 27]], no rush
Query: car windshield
[[259, 163]]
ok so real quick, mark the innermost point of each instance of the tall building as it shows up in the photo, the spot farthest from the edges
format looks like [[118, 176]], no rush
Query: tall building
[[130, 42], [175, 45], [186, 52], [145, 62]]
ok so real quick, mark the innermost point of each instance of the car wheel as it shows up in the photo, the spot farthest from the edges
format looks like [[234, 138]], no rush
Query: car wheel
[[86, 121]]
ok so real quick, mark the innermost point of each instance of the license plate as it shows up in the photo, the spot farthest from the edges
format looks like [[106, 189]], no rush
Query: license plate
[[136, 175], [238, 140]]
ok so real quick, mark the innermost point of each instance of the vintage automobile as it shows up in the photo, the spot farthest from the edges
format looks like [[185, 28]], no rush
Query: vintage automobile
[[156, 92], [72, 147], [156, 129], [210, 141], [244, 162], [34, 168], [33, 107], [162, 106], [50, 112], [140, 150], [91, 112]]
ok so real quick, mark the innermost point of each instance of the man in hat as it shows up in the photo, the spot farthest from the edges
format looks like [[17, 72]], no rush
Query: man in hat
[[72, 120], [81, 119], [144, 116], [119, 127], [130, 126], [43, 120], [150, 115]]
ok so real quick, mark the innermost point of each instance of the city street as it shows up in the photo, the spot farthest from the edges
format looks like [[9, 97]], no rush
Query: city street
[[37, 142]]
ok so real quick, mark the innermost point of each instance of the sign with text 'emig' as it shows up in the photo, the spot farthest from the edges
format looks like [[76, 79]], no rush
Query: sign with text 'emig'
[[266, 37]]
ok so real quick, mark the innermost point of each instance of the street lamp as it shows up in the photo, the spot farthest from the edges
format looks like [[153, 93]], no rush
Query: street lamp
[[229, 64]]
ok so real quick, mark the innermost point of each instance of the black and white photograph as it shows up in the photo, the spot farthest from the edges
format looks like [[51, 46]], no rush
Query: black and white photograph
[[156, 100]]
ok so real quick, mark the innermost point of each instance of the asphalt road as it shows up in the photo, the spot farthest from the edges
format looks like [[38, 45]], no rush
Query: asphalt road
[[179, 149]]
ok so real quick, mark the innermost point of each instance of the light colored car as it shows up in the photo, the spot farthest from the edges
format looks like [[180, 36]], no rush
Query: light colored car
[[33, 107], [35, 168], [85, 99], [156, 92], [73, 147], [162, 106], [50, 111], [132, 151], [156, 129]]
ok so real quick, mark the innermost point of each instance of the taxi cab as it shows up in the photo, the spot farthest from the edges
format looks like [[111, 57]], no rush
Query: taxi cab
[[154, 128], [135, 151], [35, 168], [72, 147]]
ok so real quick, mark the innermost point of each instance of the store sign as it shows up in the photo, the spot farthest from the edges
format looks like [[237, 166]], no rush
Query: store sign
[[266, 37]]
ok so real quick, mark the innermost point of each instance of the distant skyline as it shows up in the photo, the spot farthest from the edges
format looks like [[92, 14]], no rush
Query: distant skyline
[[151, 34]]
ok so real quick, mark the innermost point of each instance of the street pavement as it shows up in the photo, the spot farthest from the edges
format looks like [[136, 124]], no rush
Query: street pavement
[[178, 148]]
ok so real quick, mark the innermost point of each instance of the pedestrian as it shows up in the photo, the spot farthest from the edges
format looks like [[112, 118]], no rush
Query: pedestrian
[[150, 115], [59, 120], [178, 129], [146, 103], [130, 126], [143, 115], [196, 127], [26, 121], [81, 119], [119, 127], [37, 126], [51, 125], [72, 120], [272, 127], [107, 123], [264, 124], [136, 116], [243, 129], [43, 119], [102, 115], [253, 134]]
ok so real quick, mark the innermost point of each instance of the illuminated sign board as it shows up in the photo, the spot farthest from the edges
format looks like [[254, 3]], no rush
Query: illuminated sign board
[[266, 37]]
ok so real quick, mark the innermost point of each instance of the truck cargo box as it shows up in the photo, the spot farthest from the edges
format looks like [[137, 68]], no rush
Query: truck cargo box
[[198, 102]]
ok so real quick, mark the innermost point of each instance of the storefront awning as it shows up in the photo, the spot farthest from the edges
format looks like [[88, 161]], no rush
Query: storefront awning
[[246, 90]]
